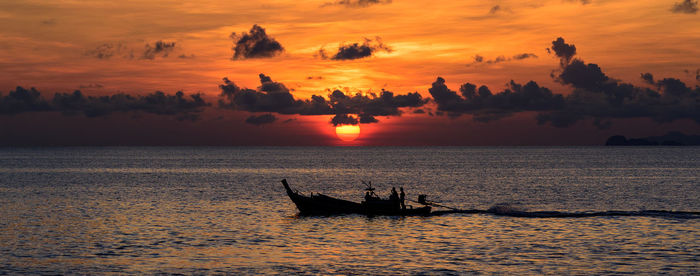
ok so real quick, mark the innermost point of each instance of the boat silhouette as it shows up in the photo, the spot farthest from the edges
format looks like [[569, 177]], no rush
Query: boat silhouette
[[373, 205]]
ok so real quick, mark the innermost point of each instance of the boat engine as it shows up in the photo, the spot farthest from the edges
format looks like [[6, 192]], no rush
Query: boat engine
[[421, 200]]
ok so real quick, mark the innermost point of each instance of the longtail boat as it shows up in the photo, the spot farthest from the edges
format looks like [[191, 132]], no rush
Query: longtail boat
[[319, 204]]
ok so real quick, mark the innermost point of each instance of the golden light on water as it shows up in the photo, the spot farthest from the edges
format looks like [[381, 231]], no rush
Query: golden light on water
[[347, 132]]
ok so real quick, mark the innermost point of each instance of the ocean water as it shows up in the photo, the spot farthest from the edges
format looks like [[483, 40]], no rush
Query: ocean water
[[198, 210]]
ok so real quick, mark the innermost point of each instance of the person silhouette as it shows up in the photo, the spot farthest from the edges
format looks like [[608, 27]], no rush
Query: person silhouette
[[402, 199], [394, 197]]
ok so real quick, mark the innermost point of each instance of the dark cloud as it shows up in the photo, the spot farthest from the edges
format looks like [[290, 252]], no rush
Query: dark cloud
[[344, 119], [583, 2], [356, 3], [275, 97], [50, 21], [582, 75], [486, 106], [256, 44], [159, 48], [564, 51], [367, 119], [118, 49], [479, 59], [314, 77], [686, 6], [23, 100], [356, 50], [91, 86], [601, 98], [495, 9], [697, 74], [524, 56], [261, 120], [595, 96], [30, 100], [109, 50]]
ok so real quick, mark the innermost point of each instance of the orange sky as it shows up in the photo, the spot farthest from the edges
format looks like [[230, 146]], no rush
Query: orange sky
[[50, 45]]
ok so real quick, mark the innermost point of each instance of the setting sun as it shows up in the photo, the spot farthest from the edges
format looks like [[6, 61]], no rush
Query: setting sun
[[347, 132]]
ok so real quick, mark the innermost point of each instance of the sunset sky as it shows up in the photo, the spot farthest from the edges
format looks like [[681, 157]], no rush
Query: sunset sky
[[278, 48]]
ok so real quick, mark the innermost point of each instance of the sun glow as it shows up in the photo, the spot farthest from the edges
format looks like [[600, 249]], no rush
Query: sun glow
[[347, 132]]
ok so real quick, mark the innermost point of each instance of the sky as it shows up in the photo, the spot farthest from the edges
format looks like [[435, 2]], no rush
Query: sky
[[463, 73]]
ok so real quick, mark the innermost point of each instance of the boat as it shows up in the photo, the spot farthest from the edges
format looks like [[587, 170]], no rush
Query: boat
[[373, 205]]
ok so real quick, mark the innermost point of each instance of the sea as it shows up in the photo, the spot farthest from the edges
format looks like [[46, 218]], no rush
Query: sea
[[223, 210]]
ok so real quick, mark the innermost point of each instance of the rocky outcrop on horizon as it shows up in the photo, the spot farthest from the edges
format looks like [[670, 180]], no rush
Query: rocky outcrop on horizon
[[673, 138]]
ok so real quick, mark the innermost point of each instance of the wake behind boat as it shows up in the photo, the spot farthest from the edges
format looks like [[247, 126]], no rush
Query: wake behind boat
[[319, 204]]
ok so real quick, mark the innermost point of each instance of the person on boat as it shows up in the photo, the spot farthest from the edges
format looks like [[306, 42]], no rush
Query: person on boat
[[368, 197], [402, 199], [394, 197]]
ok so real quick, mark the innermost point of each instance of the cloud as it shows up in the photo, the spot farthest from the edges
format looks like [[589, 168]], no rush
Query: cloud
[[648, 78], [367, 118], [486, 106], [256, 44], [30, 100], [583, 2], [499, 9], [275, 97], [91, 85], [564, 51], [344, 119], [356, 3], [356, 50], [269, 97], [582, 75], [685, 6], [160, 48], [601, 98], [595, 96], [495, 9], [23, 100], [524, 56], [261, 120], [479, 59], [50, 21], [108, 50]]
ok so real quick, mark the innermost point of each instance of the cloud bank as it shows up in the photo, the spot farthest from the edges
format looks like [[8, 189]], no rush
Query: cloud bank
[[275, 97], [30, 100], [595, 96]]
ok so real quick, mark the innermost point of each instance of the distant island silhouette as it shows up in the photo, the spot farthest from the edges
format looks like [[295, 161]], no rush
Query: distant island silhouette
[[673, 138]]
